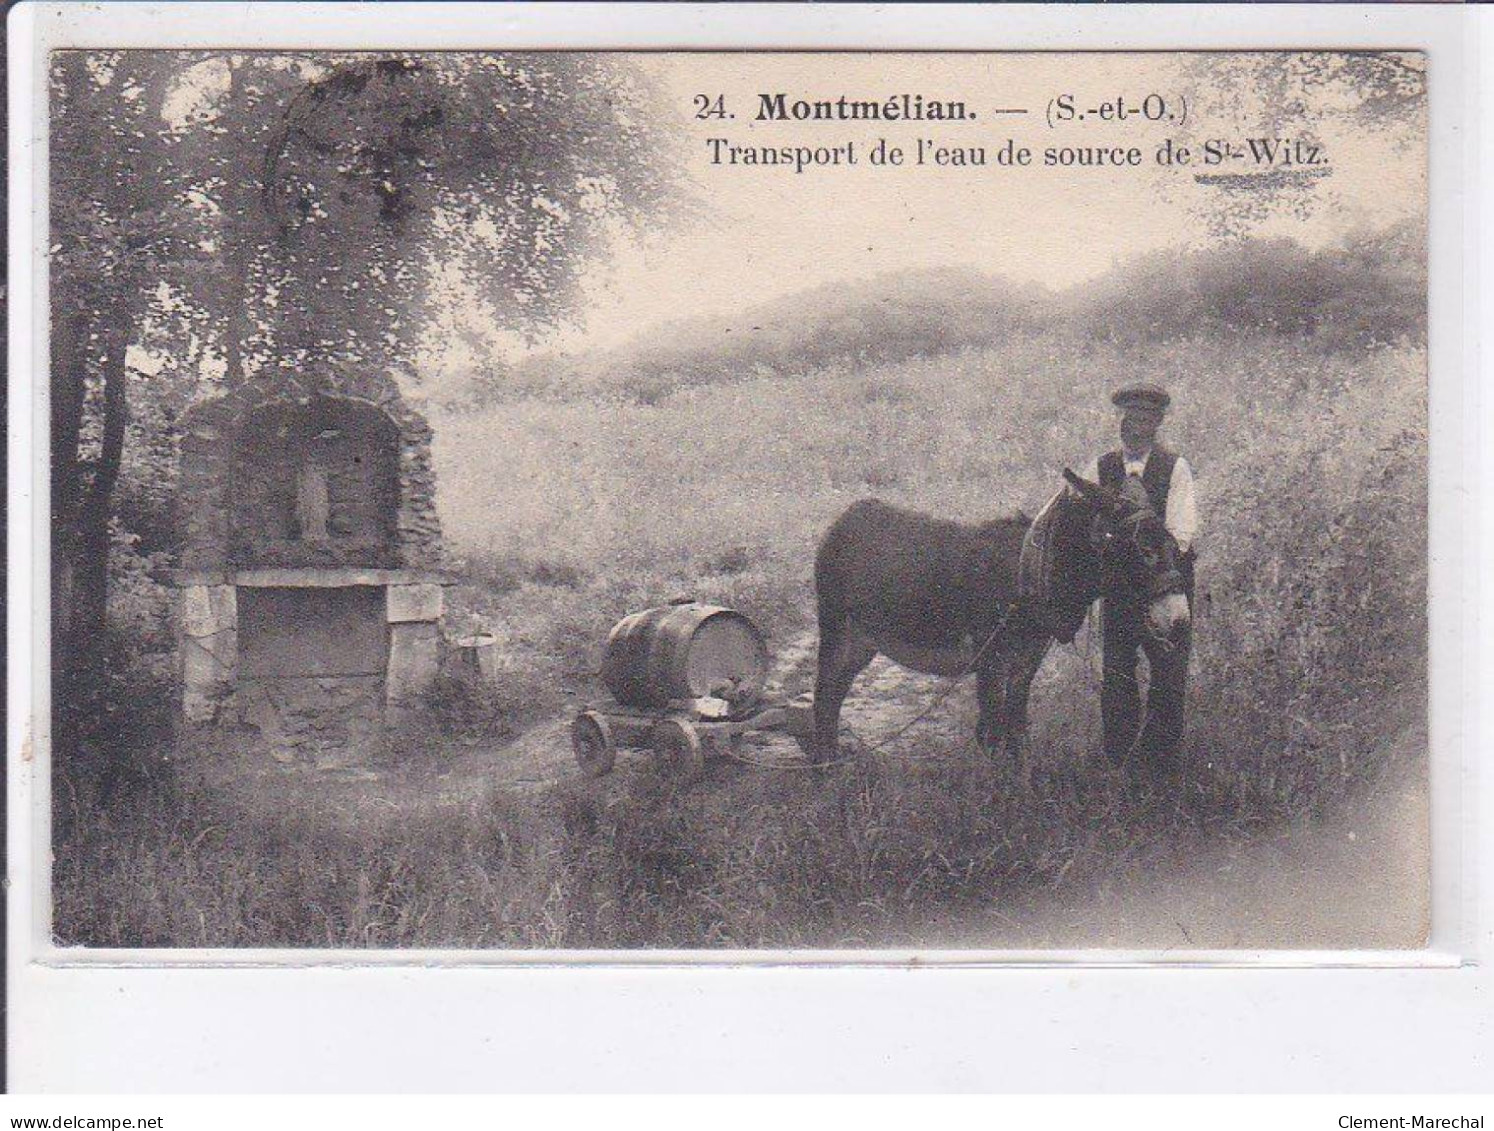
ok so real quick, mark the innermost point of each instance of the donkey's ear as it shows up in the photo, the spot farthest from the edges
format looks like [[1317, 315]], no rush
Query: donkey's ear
[[1079, 483], [1095, 492], [1089, 490]]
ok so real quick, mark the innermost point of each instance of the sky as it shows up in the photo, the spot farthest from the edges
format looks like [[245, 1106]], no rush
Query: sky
[[763, 233], [769, 232]]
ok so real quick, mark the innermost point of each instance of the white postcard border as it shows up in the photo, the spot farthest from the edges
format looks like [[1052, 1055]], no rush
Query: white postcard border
[[89, 1004]]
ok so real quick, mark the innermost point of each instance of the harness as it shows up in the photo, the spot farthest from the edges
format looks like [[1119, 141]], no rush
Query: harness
[[1036, 567], [1036, 572]]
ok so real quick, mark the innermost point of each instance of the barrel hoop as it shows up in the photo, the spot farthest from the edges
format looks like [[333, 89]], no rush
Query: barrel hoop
[[649, 655]]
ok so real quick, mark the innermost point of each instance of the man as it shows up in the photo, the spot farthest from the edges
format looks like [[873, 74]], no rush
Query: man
[[1142, 467]]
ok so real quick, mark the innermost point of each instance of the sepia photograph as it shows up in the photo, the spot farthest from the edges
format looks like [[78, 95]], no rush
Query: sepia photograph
[[598, 501]]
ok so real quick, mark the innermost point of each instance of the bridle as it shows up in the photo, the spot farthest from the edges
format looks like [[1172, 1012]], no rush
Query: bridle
[[1114, 512], [1160, 583]]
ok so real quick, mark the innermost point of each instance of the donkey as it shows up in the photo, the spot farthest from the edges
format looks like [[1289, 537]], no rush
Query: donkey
[[947, 598]]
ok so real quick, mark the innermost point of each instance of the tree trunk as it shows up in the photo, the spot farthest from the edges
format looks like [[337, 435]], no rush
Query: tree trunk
[[91, 569], [69, 387], [83, 494]]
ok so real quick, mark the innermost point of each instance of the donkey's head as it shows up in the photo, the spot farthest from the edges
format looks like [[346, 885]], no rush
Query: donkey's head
[[1133, 556]]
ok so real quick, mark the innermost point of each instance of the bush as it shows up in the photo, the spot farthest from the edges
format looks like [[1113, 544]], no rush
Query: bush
[[578, 502], [1368, 290], [470, 708]]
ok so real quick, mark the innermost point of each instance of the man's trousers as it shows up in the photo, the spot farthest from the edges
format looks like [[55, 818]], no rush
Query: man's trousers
[[1161, 731]]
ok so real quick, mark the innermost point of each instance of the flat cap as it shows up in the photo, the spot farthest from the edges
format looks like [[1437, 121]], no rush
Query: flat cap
[[1141, 395]]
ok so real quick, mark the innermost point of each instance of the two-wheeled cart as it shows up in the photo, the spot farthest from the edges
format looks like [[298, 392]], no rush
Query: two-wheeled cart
[[680, 737], [687, 681]]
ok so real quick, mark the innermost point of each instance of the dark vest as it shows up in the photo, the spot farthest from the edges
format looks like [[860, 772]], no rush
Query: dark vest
[[1156, 478]]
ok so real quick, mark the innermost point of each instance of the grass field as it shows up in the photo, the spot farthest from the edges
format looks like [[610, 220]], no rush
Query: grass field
[[1310, 468], [566, 512]]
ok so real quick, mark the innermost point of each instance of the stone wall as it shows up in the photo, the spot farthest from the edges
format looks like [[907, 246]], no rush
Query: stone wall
[[309, 602], [276, 657], [328, 722], [222, 464], [207, 640], [349, 453]]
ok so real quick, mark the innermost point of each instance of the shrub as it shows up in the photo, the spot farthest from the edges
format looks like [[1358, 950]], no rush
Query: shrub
[[578, 502], [471, 707]]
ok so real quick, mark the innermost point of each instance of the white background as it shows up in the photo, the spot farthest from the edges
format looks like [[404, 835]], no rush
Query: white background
[[1097, 1025]]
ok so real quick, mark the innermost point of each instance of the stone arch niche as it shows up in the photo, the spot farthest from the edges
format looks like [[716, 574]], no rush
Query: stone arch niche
[[309, 591], [315, 484]]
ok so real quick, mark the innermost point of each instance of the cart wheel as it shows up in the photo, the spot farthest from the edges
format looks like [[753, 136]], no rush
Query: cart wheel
[[677, 745], [591, 741]]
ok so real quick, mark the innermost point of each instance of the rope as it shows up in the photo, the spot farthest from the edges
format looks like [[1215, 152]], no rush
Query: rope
[[947, 690], [1087, 661], [762, 764], [944, 693], [1086, 657]]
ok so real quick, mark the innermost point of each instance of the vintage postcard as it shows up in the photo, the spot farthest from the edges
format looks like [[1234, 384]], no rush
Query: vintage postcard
[[739, 502]]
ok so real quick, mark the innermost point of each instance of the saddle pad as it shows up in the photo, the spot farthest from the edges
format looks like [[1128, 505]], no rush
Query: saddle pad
[[1035, 568]]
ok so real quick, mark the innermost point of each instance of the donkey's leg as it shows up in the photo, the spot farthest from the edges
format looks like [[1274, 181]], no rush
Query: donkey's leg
[[1020, 674], [844, 652], [990, 693]]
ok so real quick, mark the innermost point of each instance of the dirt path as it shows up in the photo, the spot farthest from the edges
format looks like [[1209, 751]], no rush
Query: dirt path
[[885, 698], [1359, 879]]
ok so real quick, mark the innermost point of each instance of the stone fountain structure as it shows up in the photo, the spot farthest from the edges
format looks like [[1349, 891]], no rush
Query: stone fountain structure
[[310, 592]]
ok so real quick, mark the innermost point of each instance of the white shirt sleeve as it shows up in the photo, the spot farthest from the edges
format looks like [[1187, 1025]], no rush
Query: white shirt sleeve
[[1182, 506]]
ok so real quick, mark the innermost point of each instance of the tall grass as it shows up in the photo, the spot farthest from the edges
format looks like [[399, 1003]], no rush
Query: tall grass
[[181, 867], [565, 514], [636, 502]]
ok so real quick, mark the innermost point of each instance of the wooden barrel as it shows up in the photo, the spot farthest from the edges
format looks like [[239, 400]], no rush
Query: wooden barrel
[[685, 651]]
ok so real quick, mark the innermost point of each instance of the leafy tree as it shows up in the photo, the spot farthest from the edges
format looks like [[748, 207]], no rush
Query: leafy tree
[[240, 209], [1316, 96], [112, 242], [511, 170], [1366, 290]]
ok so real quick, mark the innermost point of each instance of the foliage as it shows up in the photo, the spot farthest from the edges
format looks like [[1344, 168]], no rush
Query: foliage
[[215, 214], [508, 170], [176, 868], [1368, 290], [1310, 644], [472, 708], [1321, 98], [1364, 291], [326, 193], [1303, 415], [880, 321], [109, 243]]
